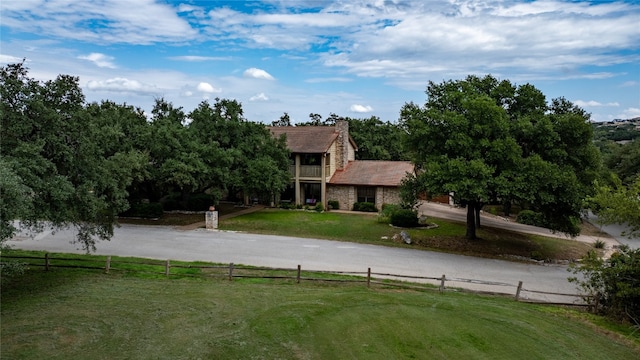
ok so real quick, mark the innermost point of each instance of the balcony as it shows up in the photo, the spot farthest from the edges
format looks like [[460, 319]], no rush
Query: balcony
[[309, 171]]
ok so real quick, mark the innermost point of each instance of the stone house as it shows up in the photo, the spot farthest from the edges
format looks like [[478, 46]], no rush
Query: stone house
[[323, 168]]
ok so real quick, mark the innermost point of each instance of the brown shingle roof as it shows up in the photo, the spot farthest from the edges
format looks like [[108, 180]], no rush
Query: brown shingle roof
[[307, 139], [372, 173]]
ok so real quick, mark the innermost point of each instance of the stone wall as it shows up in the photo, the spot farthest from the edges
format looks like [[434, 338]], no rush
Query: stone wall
[[346, 196], [387, 195]]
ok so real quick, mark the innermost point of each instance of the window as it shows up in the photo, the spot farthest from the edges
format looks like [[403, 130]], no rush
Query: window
[[367, 194]]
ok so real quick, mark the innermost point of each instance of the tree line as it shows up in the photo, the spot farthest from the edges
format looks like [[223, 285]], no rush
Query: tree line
[[484, 140], [65, 162]]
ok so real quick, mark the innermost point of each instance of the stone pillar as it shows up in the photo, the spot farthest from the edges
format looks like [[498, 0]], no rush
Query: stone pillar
[[211, 218]]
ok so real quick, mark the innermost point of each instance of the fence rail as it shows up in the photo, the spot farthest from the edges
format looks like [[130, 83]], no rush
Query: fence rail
[[231, 271]]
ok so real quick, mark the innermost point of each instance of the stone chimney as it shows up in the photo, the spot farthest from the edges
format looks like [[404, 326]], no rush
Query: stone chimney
[[342, 153]]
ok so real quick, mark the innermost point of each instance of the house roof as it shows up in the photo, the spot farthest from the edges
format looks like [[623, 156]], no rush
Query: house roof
[[372, 173], [307, 139]]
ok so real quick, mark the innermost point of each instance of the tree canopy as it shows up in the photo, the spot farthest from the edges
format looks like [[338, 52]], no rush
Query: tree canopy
[[489, 141], [67, 163], [60, 165]]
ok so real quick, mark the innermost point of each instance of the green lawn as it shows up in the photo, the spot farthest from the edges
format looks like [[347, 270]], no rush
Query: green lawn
[[75, 314], [364, 228]]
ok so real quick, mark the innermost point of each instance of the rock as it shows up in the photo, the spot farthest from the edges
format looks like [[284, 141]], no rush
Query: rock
[[405, 237]]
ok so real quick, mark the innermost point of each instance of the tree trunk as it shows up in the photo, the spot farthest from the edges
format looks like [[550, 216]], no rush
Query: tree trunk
[[477, 208], [471, 221]]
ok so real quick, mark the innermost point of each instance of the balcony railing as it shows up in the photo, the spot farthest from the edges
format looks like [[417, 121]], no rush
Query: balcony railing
[[309, 171]]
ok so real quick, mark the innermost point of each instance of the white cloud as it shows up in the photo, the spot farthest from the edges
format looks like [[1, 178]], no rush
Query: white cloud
[[119, 84], [8, 59], [257, 74], [360, 108], [593, 103], [630, 113], [259, 97], [207, 88], [118, 22], [101, 60]]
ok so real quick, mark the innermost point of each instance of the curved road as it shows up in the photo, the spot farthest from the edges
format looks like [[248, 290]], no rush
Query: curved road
[[161, 242]]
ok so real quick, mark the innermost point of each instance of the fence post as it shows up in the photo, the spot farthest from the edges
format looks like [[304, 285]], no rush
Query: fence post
[[107, 266], [518, 291], [442, 279], [46, 262], [167, 267], [298, 276], [369, 277], [230, 271]]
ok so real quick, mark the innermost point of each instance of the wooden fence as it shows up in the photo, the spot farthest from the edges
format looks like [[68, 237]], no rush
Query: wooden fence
[[231, 271]]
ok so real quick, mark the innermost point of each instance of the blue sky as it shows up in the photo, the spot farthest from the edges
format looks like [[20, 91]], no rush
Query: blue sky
[[354, 58]]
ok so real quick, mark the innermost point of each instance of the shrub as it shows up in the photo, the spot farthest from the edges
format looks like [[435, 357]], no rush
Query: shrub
[[365, 207], [404, 218], [389, 209], [199, 202], [319, 207], [529, 217], [599, 244], [612, 286], [287, 205], [144, 210], [171, 202], [333, 204]]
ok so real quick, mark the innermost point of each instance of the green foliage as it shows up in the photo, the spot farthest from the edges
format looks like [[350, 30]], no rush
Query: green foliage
[[616, 132], [410, 190], [405, 218], [377, 140], [618, 204], [319, 207], [365, 207], [599, 244], [333, 204], [613, 285], [144, 210], [488, 141], [530, 217], [200, 202], [623, 160], [75, 162]]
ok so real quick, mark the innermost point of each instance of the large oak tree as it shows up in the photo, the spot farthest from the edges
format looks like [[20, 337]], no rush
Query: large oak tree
[[61, 164], [489, 141]]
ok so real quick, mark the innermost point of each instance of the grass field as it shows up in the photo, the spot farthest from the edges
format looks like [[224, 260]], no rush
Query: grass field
[[75, 314], [448, 236]]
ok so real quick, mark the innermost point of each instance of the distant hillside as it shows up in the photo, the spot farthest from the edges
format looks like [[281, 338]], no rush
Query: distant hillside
[[617, 130]]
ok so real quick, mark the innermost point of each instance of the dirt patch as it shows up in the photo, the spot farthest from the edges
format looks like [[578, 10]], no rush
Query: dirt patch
[[589, 229]]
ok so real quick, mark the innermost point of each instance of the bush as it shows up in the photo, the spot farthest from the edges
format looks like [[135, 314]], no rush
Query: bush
[[287, 205], [529, 217], [199, 202], [404, 218], [144, 210], [612, 286], [365, 207], [389, 209], [333, 204], [171, 202], [319, 207]]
